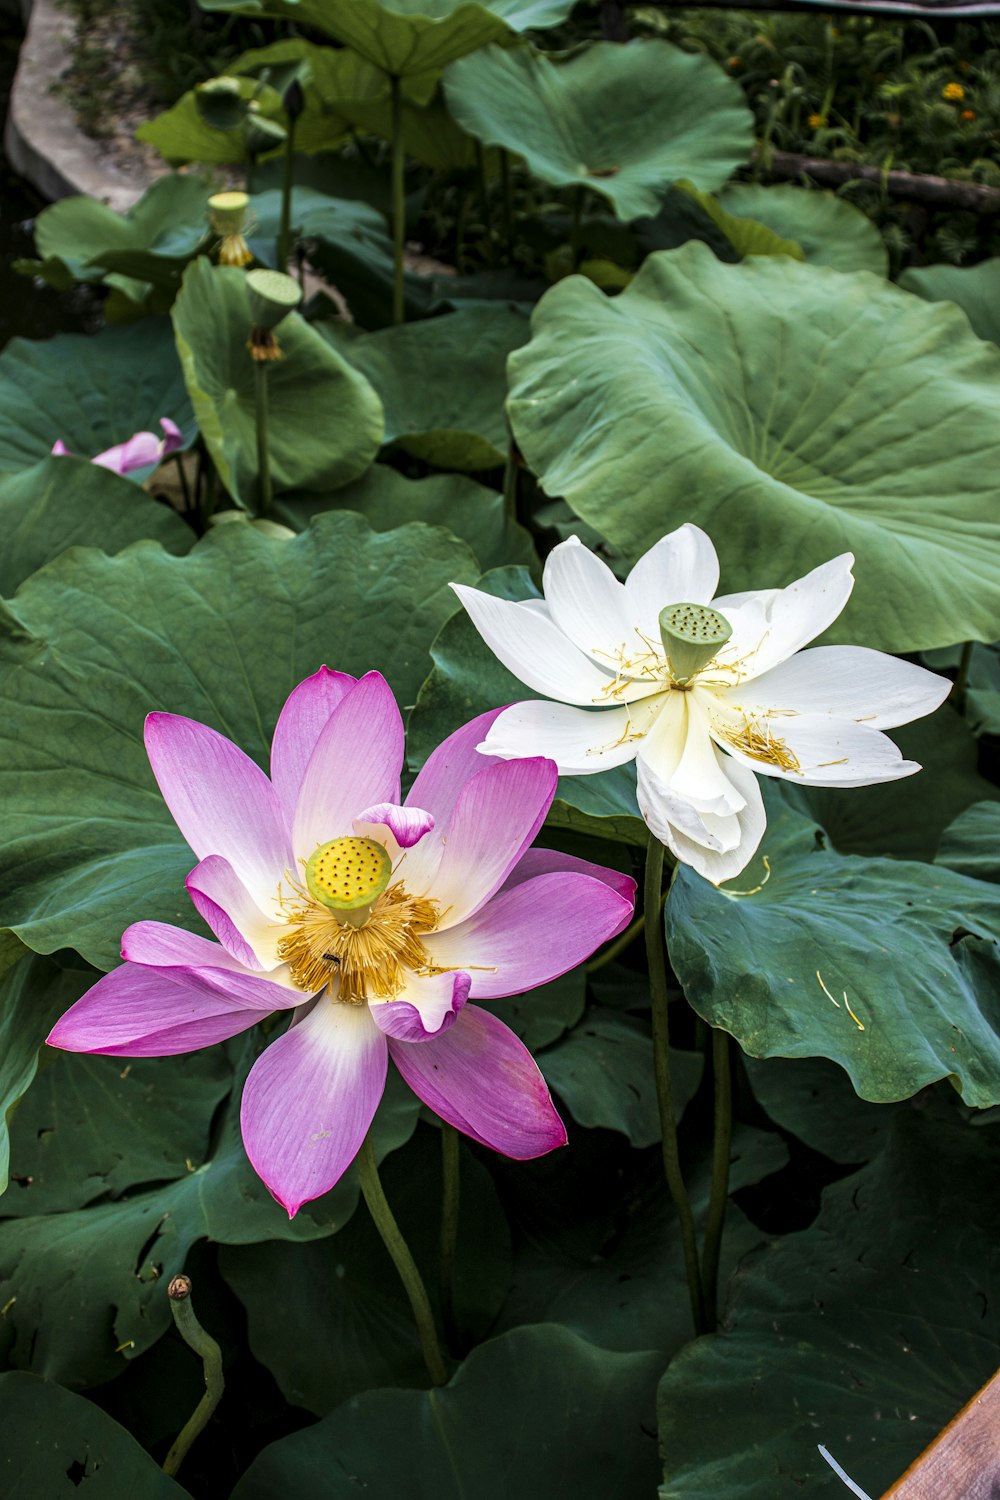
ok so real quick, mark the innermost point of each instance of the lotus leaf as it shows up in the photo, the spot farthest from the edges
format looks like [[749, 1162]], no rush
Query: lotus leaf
[[792, 411], [830, 231], [973, 288], [624, 121]]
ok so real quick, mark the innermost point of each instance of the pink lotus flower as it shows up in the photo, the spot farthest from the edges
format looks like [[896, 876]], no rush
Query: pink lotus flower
[[140, 451], [372, 923]]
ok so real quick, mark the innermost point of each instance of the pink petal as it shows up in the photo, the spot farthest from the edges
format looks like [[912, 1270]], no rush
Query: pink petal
[[224, 902], [426, 1008], [485, 1082], [173, 439], [356, 762], [60, 448], [138, 452], [398, 828], [446, 770], [551, 862], [140, 1012], [310, 1099], [205, 966], [495, 818], [299, 726], [221, 802], [531, 933]]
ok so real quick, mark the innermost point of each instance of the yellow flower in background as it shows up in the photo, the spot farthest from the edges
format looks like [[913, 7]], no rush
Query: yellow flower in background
[[816, 122], [953, 91]]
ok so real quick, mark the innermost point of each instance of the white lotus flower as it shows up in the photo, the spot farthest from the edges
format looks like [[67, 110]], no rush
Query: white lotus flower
[[703, 692]]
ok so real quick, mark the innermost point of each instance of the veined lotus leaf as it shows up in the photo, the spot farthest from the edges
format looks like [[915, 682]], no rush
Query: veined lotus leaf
[[79, 1438], [624, 121], [537, 1411], [65, 502], [830, 231], [888, 967], [89, 390], [793, 412], [866, 1332], [182, 134], [95, 643], [442, 383], [212, 323], [411, 39], [974, 288], [746, 235], [169, 222]]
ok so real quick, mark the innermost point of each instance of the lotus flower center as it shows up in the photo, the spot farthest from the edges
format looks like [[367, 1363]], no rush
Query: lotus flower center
[[692, 634], [350, 932]]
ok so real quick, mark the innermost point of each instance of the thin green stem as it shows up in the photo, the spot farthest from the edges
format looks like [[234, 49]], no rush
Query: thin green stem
[[263, 462], [962, 677], [484, 198], [656, 956], [576, 224], [398, 199], [285, 232], [191, 1331], [450, 1168], [619, 944], [461, 215], [721, 1142], [185, 487], [378, 1207], [507, 201]]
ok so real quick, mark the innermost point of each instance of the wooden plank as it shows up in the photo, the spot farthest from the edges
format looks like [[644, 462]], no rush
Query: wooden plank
[[963, 1462]]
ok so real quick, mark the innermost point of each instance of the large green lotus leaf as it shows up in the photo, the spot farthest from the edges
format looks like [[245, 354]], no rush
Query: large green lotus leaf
[[813, 1099], [907, 953], [343, 1323], [598, 1249], [537, 1411], [973, 288], [34, 992], [907, 817], [72, 235], [971, 844], [94, 1127], [792, 411], [64, 502], [411, 39], [830, 231], [386, 499], [467, 680], [85, 1289], [443, 383], [324, 420], [747, 236], [181, 134], [222, 635], [866, 1332], [55, 1441], [90, 390], [603, 1072], [624, 121]]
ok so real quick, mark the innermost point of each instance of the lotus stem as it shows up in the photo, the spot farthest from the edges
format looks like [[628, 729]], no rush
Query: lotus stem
[[191, 1331], [484, 197], [385, 1223], [576, 224], [508, 202], [961, 687], [398, 199], [185, 487], [451, 1168], [264, 492], [721, 1141], [656, 956], [285, 232]]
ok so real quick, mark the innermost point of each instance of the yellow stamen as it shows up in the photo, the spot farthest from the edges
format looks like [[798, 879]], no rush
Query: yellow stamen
[[363, 962], [754, 738]]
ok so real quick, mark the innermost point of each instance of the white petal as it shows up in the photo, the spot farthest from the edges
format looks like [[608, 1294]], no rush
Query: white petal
[[846, 682], [700, 777], [771, 627], [724, 846], [580, 741], [534, 648], [586, 601], [812, 749], [681, 568]]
